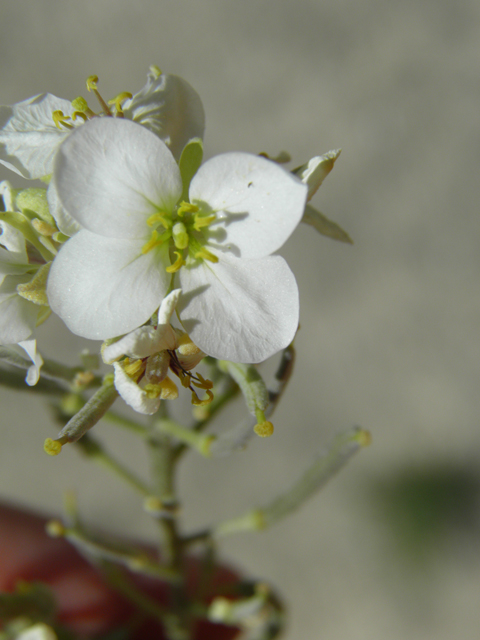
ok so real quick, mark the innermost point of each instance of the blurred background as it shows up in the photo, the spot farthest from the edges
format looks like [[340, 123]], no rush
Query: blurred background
[[389, 326]]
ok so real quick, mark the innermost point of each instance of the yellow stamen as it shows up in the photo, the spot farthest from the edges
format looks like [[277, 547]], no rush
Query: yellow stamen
[[119, 100], [179, 262], [79, 114], [200, 403], [133, 368], [186, 207], [203, 221], [155, 70], [43, 228], [60, 120], [159, 217], [154, 241], [202, 383], [205, 254], [92, 82], [165, 390], [169, 389], [80, 104]]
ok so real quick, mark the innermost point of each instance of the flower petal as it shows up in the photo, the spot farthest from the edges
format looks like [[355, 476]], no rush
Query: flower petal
[[132, 393], [17, 315], [240, 310], [64, 220], [314, 172], [258, 203], [112, 174], [170, 108], [29, 137], [33, 373], [102, 287]]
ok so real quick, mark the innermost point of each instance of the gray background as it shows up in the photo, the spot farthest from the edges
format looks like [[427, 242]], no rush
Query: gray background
[[389, 336]]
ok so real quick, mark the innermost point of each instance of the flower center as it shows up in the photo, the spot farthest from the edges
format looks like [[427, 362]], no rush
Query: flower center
[[185, 229]]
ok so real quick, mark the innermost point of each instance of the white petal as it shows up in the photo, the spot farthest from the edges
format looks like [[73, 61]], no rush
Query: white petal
[[12, 239], [33, 373], [170, 108], [145, 341], [141, 343], [316, 170], [104, 287], [12, 263], [167, 306], [240, 310], [112, 174], [133, 394], [64, 220], [17, 315], [29, 137], [258, 202]]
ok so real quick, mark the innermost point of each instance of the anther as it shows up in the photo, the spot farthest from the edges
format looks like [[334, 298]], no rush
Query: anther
[[205, 254], [43, 228], [60, 120], [133, 368], [81, 106], [203, 221], [186, 207], [161, 218], [92, 82], [118, 101], [154, 241], [179, 262]]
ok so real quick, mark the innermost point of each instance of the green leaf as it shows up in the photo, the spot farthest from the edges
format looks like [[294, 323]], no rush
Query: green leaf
[[325, 226]]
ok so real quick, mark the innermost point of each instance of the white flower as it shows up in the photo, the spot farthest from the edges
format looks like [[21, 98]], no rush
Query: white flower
[[141, 378], [30, 137], [18, 316], [22, 285], [122, 184], [170, 108]]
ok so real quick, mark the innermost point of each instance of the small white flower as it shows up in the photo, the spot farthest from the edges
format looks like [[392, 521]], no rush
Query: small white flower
[[122, 185], [30, 137], [21, 302], [142, 377]]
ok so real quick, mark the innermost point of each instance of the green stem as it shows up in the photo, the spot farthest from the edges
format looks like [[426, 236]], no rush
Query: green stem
[[94, 450], [191, 438], [163, 467], [133, 559], [126, 423], [323, 469]]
